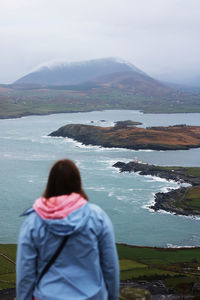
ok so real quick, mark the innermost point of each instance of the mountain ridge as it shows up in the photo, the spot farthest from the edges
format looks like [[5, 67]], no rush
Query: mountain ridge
[[100, 73], [76, 72]]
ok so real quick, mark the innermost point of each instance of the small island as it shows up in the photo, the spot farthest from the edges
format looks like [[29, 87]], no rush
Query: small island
[[126, 135], [182, 201], [127, 123]]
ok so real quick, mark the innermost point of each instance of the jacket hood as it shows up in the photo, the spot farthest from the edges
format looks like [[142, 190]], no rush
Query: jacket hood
[[64, 214]]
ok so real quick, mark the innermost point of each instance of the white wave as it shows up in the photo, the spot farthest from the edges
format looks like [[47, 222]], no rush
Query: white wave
[[155, 178], [123, 198], [55, 140], [177, 246], [115, 170], [166, 189], [185, 184], [148, 208], [145, 150], [151, 202], [197, 218], [96, 189], [150, 178], [93, 147], [115, 149], [82, 146], [159, 179], [164, 212], [110, 194], [160, 211]]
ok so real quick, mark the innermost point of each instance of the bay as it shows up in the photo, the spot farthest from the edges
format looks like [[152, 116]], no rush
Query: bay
[[27, 154]]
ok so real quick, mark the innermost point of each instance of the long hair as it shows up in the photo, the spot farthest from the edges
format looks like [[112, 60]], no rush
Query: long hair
[[64, 179]]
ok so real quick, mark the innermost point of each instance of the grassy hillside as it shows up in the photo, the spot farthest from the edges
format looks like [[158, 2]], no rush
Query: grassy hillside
[[16, 101]]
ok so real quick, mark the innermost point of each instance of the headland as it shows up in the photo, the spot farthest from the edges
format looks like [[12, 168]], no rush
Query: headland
[[124, 135], [181, 201]]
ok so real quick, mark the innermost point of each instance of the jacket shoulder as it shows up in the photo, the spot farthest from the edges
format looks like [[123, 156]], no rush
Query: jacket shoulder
[[97, 210], [99, 216], [27, 212]]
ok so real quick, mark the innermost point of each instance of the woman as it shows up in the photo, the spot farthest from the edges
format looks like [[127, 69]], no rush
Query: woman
[[87, 266]]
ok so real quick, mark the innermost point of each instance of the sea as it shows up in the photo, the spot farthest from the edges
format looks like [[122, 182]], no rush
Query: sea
[[27, 154]]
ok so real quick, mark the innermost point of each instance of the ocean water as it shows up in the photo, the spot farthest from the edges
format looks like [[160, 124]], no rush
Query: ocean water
[[27, 153]]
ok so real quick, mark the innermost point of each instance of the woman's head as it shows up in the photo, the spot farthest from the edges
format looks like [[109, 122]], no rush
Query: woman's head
[[64, 179]]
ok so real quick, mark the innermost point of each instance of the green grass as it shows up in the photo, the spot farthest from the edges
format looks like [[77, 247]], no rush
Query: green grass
[[17, 101], [188, 171], [130, 269], [192, 198], [7, 268], [177, 267], [9, 250], [195, 171], [189, 200], [151, 274], [158, 256], [127, 264]]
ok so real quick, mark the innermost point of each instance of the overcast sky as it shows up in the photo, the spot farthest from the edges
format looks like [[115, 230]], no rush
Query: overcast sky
[[161, 37]]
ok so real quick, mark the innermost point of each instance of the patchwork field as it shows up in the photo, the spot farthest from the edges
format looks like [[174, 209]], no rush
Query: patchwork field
[[177, 268]]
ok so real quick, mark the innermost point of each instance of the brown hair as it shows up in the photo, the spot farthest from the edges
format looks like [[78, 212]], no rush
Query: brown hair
[[64, 179]]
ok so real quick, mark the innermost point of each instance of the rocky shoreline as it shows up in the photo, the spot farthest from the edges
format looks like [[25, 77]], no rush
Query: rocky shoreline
[[165, 201]]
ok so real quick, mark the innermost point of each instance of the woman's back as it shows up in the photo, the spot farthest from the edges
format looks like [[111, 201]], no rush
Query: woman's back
[[86, 266]]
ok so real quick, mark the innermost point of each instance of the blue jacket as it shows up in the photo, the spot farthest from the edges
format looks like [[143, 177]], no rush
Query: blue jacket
[[86, 269]]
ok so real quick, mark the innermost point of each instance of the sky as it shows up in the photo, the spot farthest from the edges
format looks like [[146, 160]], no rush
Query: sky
[[160, 37]]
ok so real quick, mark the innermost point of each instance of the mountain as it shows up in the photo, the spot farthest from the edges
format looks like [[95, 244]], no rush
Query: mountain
[[135, 83], [99, 73], [77, 72]]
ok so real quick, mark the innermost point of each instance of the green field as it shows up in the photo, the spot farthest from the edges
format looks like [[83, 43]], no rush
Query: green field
[[18, 101], [177, 268], [191, 200], [7, 266]]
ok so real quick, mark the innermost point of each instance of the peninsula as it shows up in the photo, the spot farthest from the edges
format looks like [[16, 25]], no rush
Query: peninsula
[[182, 201], [124, 135]]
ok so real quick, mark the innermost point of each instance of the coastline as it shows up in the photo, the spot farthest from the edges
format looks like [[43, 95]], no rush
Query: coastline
[[166, 201], [21, 115]]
